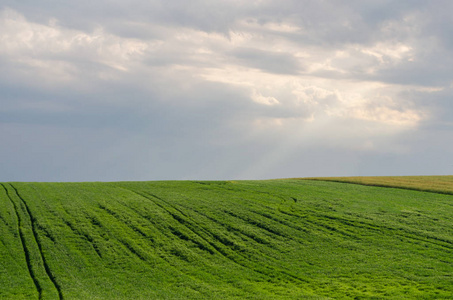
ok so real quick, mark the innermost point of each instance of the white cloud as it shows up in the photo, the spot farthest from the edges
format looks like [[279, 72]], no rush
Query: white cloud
[[57, 53], [272, 78], [60, 54], [258, 98]]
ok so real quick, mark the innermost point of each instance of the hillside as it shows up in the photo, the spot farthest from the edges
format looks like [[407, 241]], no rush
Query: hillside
[[436, 184], [276, 239]]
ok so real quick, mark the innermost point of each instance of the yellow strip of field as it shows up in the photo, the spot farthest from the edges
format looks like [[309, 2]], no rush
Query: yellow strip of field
[[438, 184]]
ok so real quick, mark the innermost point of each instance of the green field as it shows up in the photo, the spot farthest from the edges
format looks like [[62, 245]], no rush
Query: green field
[[275, 239], [436, 184]]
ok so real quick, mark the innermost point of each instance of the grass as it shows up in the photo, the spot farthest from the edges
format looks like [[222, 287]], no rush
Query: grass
[[277, 239]]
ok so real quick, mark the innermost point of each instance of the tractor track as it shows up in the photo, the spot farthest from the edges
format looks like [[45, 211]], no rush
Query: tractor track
[[219, 243], [24, 244], [36, 240]]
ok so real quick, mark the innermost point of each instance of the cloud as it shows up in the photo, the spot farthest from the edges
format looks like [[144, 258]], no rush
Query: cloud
[[273, 62], [221, 89], [258, 98], [59, 54]]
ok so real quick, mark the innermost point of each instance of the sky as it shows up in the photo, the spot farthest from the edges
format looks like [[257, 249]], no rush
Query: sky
[[212, 90]]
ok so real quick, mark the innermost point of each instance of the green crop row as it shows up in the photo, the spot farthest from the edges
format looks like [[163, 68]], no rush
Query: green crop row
[[278, 239]]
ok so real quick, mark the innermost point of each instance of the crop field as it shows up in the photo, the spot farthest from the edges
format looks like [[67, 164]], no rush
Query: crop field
[[436, 184], [274, 239]]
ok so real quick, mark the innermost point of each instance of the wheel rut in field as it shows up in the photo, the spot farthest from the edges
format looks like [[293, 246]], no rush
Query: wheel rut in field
[[117, 217], [353, 228], [36, 240], [136, 250], [182, 219], [221, 244], [194, 228], [80, 233], [24, 245]]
